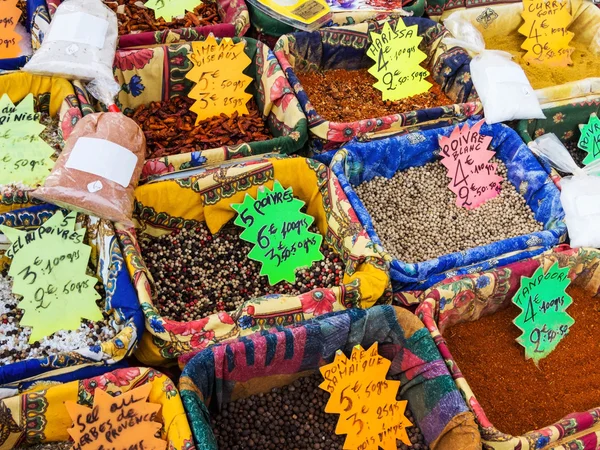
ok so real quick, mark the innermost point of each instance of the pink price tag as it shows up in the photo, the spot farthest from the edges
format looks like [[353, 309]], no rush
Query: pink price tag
[[466, 156]]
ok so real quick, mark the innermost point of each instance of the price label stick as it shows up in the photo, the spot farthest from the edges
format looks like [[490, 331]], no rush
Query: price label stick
[[466, 156], [24, 156], [126, 421], [48, 269], [370, 415], [543, 318], [397, 57], [590, 139], [219, 76], [545, 30], [279, 232], [170, 9], [9, 38]]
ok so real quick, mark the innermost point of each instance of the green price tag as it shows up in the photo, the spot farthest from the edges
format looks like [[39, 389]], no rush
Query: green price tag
[[590, 139], [48, 270], [24, 156], [169, 9], [543, 319], [279, 230]]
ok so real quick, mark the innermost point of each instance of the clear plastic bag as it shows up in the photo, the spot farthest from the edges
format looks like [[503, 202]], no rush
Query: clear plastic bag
[[80, 43], [580, 193], [502, 85], [99, 168]]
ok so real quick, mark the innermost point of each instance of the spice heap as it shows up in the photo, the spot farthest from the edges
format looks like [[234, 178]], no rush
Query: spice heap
[[170, 129], [585, 63], [197, 273], [348, 95], [292, 417], [51, 135], [134, 17], [22, 5], [415, 215], [527, 398], [49, 446], [14, 345]]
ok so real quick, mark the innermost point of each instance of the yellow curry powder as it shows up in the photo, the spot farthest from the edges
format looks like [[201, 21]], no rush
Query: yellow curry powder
[[585, 63]]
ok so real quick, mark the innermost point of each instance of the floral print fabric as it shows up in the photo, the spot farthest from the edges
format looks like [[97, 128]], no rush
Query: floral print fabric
[[470, 297], [234, 17], [39, 415], [157, 74], [171, 204], [345, 48], [52, 95], [38, 21], [120, 302], [250, 365], [359, 162]]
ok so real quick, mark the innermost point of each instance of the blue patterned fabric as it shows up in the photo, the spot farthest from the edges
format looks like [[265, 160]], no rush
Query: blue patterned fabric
[[120, 296], [359, 162], [37, 17]]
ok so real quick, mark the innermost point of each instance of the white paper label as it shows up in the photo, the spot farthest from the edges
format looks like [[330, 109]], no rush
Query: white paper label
[[78, 27], [103, 158], [587, 204], [510, 74]]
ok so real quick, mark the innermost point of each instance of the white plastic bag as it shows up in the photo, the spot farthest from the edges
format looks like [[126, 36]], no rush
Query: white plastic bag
[[580, 193], [80, 43], [502, 85]]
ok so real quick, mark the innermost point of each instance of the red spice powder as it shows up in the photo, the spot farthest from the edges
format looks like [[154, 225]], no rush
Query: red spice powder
[[348, 95], [516, 396]]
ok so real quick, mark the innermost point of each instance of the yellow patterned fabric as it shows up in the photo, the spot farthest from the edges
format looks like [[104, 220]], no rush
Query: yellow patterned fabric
[[164, 206], [504, 19], [39, 415]]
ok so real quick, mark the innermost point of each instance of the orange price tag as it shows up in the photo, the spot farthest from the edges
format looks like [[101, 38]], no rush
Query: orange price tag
[[9, 38], [219, 76], [545, 30], [370, 415], [125, 421]]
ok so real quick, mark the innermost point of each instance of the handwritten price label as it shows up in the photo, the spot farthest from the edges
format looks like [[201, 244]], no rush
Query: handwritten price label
[[279, 230], [545, 30], [543, 319], [590, 139], [170, 9], [219, 76], [126, 421], [9, 38], [466, 156], [48, 268], [370, 415], [397, 57], [24, 156]]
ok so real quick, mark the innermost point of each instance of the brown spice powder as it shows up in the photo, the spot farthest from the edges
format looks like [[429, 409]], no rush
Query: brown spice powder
[[516, 396], [585, 63], [348, 95], [169, 127]]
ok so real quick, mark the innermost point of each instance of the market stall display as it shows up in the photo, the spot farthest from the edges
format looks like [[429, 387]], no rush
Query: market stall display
[[319, 57], [30, 28], [458, 311], [155, 93], [167, 209], [212, 388], [413, 157], [56, 101], [63, 354], [38, 418], [139, 26]]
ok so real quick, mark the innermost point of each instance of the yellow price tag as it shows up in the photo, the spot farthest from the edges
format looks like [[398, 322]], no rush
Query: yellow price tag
[[370, 415], [397, 57], [219, 76], [545, 30]]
